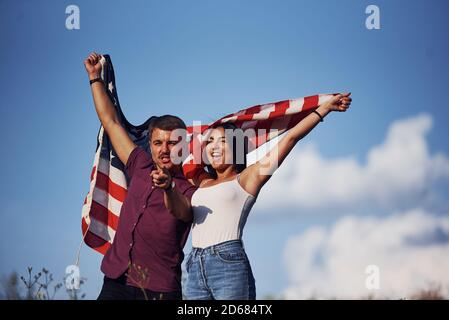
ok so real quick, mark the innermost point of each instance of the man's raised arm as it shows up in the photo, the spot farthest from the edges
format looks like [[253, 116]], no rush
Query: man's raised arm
[[107, 114]]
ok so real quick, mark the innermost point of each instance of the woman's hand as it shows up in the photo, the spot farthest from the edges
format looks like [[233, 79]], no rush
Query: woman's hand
[[93, 65], [340, 102]]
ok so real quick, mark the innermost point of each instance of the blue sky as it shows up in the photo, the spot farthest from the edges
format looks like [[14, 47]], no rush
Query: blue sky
[[201, 60]]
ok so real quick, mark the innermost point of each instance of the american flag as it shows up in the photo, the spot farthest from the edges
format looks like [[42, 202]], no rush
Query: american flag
[[108, 182]]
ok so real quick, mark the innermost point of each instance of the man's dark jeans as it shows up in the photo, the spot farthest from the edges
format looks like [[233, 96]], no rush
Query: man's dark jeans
[[117, 289]]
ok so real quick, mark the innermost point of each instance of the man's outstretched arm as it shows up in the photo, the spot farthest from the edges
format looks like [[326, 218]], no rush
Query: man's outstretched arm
[[107, 114], [177, 203]]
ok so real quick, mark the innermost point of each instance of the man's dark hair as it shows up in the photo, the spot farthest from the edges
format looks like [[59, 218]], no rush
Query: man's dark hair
[[238, 166], [166, 122]]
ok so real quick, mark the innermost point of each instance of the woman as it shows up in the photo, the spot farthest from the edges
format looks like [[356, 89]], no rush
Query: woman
[[218, 267]]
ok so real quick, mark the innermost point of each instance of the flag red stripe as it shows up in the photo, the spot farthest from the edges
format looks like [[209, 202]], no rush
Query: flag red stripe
[[310, 102], [105, 183], [279, 109], [92, 240], [102, 214]]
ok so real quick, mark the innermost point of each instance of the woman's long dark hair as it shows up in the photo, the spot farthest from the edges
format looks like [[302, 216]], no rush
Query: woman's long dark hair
[[238, 166]]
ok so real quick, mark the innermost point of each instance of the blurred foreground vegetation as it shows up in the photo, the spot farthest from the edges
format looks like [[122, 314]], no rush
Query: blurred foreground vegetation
[[36, 286], [42, 286]]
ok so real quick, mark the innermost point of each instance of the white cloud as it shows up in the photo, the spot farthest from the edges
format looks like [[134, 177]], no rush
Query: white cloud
[[411, 250], [398, 170]]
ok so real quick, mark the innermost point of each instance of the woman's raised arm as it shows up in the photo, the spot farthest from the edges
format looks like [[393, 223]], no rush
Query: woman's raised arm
[[255, 176]]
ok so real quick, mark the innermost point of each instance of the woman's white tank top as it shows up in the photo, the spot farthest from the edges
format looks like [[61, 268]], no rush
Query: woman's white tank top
[[220, 213]]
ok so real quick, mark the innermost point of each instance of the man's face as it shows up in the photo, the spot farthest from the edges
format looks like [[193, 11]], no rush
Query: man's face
[[161, 146]]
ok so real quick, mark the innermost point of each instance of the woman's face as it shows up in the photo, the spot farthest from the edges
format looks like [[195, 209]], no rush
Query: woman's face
[[218, 151]]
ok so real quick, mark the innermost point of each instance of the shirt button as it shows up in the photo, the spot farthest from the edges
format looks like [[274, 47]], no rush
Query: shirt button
[[130, 244]]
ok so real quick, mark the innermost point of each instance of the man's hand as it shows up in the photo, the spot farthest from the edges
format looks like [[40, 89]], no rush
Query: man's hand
[[93, 65], [340, 102], [161, 178], [176, 203]]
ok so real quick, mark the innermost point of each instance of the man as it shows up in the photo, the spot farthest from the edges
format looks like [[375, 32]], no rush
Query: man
[[144, 260]]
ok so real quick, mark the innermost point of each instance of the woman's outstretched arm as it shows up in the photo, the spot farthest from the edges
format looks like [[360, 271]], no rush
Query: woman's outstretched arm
[[255, 176]]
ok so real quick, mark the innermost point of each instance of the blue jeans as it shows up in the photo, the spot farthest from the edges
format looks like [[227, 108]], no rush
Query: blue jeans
[[219, 272]]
